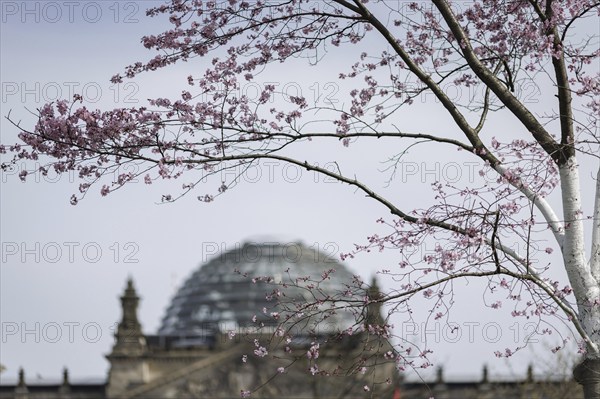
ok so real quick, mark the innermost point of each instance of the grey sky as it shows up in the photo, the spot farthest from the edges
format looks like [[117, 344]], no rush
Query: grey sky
[[67, 286]]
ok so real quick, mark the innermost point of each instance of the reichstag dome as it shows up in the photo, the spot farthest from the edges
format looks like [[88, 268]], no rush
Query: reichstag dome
[[229, 290]]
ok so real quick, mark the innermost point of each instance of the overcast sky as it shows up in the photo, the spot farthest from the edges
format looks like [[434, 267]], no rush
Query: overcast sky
[[64, 267]]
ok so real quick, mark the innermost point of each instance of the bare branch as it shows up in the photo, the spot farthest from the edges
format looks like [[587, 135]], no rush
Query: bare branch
[[518, 109]]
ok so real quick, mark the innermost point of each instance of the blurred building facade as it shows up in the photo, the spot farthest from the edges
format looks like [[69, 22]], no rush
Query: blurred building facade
[[208, 345]]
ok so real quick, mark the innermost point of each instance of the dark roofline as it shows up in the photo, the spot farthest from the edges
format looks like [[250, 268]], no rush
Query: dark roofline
[[37, 387]]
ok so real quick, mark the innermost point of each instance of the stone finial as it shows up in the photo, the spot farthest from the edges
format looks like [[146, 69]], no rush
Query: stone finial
[[65, 376], [440, 389], [440, 375], [374, 316], [530, 373], [65, 388], [129, 302], [21, 391], [484, 387], [129, 337], [21, 377]]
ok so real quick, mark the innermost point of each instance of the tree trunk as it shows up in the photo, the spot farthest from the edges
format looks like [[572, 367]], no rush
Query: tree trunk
[[587, 373]]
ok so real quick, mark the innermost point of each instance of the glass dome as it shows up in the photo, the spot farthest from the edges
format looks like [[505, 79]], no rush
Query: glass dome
[[256, 283]]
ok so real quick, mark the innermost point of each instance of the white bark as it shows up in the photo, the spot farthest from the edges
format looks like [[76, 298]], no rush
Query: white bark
[[595, 255], [585, 287], [542, 205]]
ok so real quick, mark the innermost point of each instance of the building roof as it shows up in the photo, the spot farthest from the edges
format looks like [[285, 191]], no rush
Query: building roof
[[255, 279]]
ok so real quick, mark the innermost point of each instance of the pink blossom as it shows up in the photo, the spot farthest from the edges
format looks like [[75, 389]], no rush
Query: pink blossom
[[261, 351], [313, 351]]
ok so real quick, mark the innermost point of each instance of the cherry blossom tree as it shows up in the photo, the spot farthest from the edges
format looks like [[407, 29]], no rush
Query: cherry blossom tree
[[403, 53]]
